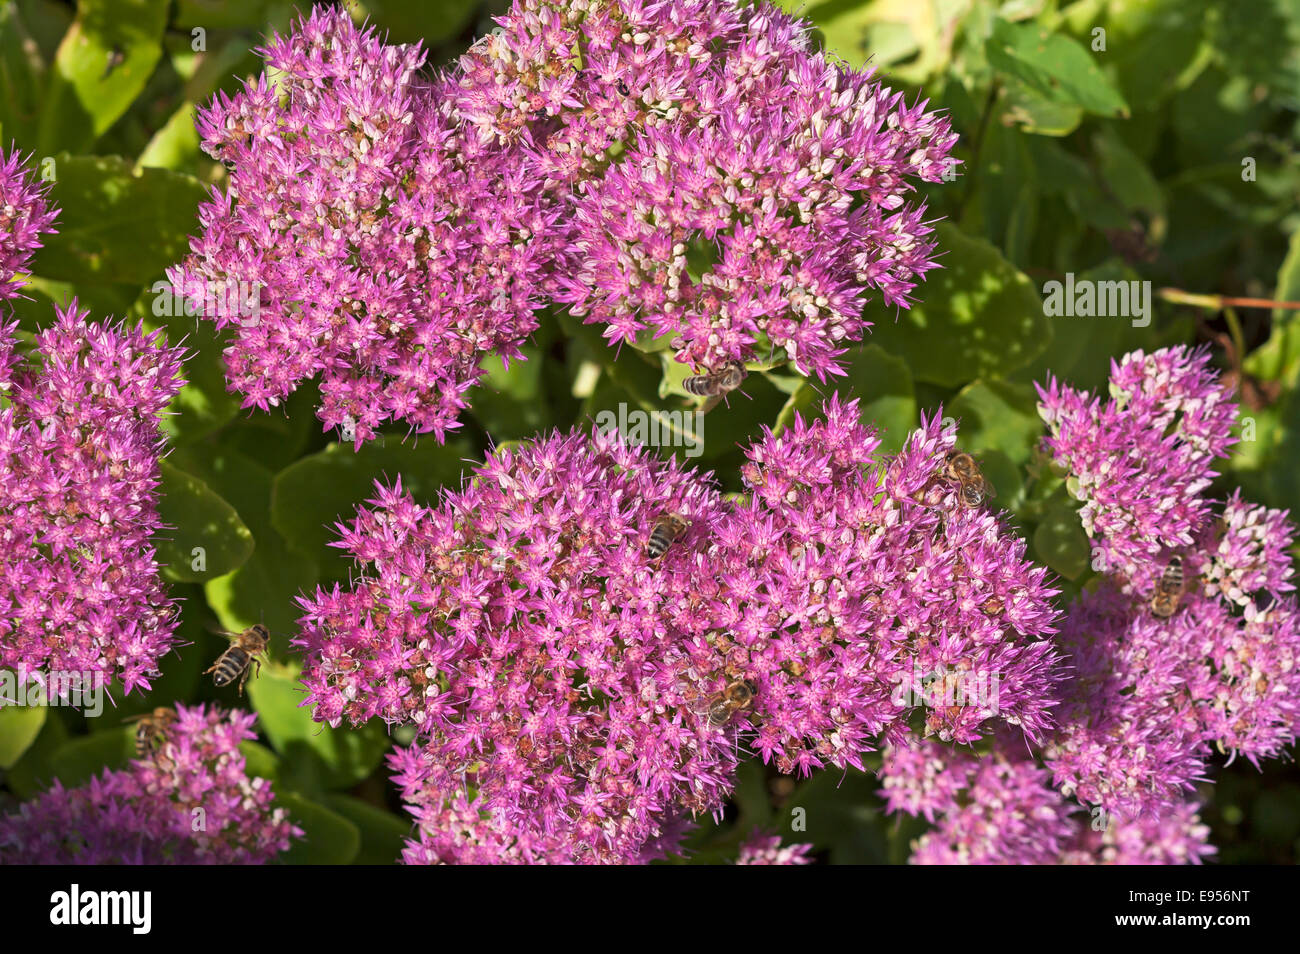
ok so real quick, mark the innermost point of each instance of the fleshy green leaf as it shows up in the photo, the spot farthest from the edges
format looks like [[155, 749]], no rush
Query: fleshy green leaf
[[996, 415], [337, 758], [205, 538], [102, 65], [429, 21], [79, 760], [33, 772], [1061, 543], [321, 489], [1056, 66], [978, 316], [117, 224], [328, 838], [382, 833], [19, 727]]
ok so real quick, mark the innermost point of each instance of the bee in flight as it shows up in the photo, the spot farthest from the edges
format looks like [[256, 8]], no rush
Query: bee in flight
[[666, 530], [1169, 589], [150, 729], [972, 488], [715, 383], [236, 661], [737, 697]]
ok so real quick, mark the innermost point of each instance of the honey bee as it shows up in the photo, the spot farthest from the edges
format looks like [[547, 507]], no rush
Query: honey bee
[[1169, 589], [715, 383], [666, 530], [737, 697], [993, 605], [150, 727], [972, 488], [236, 661], [622, 88]]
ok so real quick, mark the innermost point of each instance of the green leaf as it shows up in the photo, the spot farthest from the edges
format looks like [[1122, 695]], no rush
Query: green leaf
[[429, 21], [311, 495], [997, 415], [22, 74], [512, 402], [1127, 175], [198, 518], [176, 145], [1056, 66], [382, 833], [259, 761], [1080, 349], [263, 589], [1284, 475], [33, 772], [335, 758], [1154, 45], [1037, 114], [883, 385], [81, 759], [19, 727], [203, 403], [1061, 543], [117, 224], [102, 65], [979, 316], [328, 838], [1278, 358]]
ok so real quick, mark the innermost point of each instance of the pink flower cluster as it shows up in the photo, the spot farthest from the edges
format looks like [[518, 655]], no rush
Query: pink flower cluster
[[377, 245], [1141, 462], [867, 588], [1156, 682], [589, 695], [691, 167], [760, 849], [734, 187], [79, 449], [543, 658], [1000, 808], [189, 802], [25, 214]]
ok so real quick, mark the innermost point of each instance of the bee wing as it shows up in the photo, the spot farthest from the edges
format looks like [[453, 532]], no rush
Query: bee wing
[[217, 630]]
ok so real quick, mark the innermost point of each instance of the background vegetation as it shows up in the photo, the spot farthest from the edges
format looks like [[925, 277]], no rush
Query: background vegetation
[[1163, 148]]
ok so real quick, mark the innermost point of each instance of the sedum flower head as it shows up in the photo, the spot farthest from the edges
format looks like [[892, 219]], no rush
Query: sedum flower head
[[148, 813], [1142, 461], [79, 450], [543, 658], [377, 245], [871, 603], [1000, 808], [733, 188], [761, 849], [1129, 737], [1156, 685], [25, 213]]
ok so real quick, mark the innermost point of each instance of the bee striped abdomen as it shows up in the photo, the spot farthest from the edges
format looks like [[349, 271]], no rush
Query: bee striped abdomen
[[666, 530], [229, 667]]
